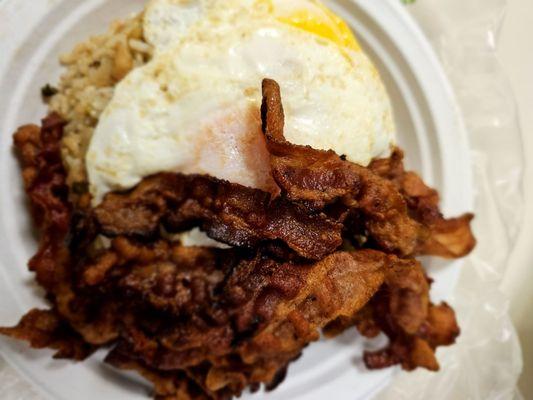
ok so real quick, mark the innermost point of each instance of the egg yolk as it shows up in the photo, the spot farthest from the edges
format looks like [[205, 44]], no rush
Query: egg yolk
[[326, 25]]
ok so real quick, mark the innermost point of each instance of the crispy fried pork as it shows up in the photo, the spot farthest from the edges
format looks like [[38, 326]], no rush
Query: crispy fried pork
[[227, 212], [206, 323], [46, 329], [397, 215], [45, 183], [261, 318], [449, 238], [400, 212], [402, 310]]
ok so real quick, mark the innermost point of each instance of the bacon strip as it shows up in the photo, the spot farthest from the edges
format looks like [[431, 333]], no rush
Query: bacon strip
[[402, 310], [45, 183], [205, 323], [448, 238], [265, 314], [45, 329], [227, 212], [399, 212], [321, 177], [311, 180]]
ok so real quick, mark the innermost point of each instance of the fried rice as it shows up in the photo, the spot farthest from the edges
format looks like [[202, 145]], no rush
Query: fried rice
[[93, 69]]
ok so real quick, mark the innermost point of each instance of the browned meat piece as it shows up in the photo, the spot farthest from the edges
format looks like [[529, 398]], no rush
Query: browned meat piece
[[227, 212], [164, 276], [418, 351], [303, 173], [45, 329], [45, 183], [272, 311], [449, 238], [321, 177], [336, 287], [415, 327], [310, 179]]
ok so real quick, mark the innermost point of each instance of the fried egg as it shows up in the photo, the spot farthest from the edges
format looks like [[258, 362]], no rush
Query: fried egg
[[195, 107]]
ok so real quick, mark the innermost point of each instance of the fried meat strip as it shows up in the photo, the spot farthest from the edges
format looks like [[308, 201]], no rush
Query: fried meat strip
[[270, 312], [227, 212], [402, 310], [45, 329], [162, 276], [322, 177], [311, 181], [230, 321], [188, 303], [448, 238], [45, 184]]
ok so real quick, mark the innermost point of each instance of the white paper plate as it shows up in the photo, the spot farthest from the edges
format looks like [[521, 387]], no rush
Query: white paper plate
[[32, 35]]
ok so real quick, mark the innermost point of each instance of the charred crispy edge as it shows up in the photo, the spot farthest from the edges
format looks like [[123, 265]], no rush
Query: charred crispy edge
[[450, 238], [42, 169], [402, 311], [45, 184]]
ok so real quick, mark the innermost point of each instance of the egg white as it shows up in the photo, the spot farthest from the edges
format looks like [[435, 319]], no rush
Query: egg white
[[195, 107]]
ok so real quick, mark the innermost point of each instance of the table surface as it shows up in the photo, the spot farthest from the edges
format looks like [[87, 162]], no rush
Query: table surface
[[516, 54]]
